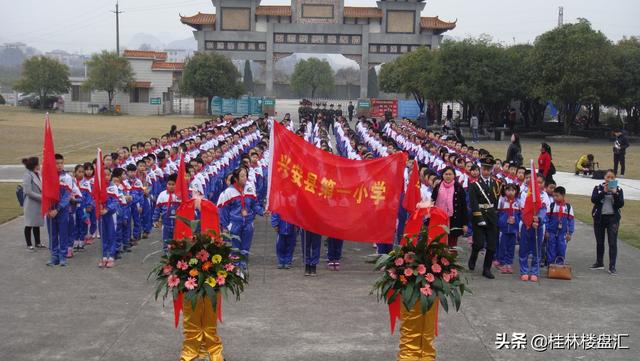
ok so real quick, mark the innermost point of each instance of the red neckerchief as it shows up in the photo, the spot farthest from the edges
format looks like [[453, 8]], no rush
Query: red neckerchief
[[235, 185], [561, 209], [511, 206]]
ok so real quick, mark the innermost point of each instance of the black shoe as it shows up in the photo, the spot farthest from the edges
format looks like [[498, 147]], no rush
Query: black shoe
[[280, 266], [472, 265], [118, 255], [312, 271], [596, 266], [487, 273], [612, 271], [307, 270]]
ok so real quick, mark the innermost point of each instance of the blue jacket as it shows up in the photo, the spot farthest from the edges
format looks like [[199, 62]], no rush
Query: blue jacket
[[166, 209], [230, 206], [66, 192], [284, 227], [503, 215], [560, 219]]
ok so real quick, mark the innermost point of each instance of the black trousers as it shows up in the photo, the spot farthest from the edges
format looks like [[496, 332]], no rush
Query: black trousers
[[618, 159], [484, 235], [608, 224], [36, 235]]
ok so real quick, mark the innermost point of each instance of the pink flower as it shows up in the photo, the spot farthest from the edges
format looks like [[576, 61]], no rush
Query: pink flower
[[392, 273], [426, 290], [430, 278], [446, 277], [229, 267], [436, 268], [173, 281], [203, 255], [399, 262], [454, 273], [167, 269], [444, 261], [408, 272], [220, 280], [191, 283], [422, 269], [182, 265], [409, 257]]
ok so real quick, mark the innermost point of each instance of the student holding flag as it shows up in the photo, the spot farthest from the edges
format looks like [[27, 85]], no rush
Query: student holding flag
[[534, 214]]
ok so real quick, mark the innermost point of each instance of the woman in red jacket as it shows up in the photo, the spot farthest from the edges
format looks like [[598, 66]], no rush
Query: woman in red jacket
[[545, 164]]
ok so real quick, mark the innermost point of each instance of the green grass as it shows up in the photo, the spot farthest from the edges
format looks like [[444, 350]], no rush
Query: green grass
[[9, 207], [629, 225]]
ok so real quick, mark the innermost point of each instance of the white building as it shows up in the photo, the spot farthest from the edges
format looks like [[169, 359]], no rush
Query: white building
[[150, 94], [177, 55]]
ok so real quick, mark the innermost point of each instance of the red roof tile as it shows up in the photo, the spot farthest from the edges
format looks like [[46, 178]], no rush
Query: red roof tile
[[196, 21], [434, 23], [273, 10], [161, 65], [145, 54], [362, 12]]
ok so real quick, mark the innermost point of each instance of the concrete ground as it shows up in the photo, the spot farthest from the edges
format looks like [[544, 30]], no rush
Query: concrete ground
[[84, 313]]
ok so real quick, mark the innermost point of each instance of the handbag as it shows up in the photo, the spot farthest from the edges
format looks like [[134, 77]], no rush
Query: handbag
[[559, 271]]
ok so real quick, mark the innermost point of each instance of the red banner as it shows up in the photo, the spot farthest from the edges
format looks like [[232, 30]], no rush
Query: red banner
[[379, 106], [334, 196]]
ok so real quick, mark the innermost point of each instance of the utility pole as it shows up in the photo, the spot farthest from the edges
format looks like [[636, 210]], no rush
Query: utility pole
[[560, 16], [117, 12]]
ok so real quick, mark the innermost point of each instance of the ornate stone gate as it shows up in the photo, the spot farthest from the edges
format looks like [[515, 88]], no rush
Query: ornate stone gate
[[245, 30]]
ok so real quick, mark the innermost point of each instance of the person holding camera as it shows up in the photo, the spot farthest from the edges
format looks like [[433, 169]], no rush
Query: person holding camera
[[607, 199]]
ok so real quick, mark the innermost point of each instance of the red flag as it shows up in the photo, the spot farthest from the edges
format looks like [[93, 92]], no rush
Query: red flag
[[50, 177], [182, 183], [412, 195], [334, 196], [532, 203], [100, 184]]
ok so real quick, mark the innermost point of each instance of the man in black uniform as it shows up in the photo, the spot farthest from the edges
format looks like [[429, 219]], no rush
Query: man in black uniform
[[483, 196], [301, 110], [350, 110]]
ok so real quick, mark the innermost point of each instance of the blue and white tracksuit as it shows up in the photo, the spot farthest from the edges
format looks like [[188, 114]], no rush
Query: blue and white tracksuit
[[508, 232], [559, 223], [529, 245], [165, 210], [59, 225], [108, 231], [123, 219], [286, 241], [136, 191], [237, 212]]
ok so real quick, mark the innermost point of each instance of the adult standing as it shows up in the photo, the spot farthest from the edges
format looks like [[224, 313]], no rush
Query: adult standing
[[483, 198], [607, 199], [450, 196], [545, 162], [32, 187], [350, 110], [474, 124], [620, 146], [514, 152]]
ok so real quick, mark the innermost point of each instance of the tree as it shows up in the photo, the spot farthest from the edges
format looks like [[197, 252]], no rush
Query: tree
[[248, 77], [572, 66], [625, 87], [408, 74], [108, 72], [44, 76], [372, 84], [209, 75], [350, 76], [312, 75], [2, 101]]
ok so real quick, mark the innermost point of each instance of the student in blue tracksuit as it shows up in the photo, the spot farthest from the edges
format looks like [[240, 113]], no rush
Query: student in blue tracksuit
[[311, 243], [559, 227], [58, 217], [147, 198], [165, 211], [237, 207], [530, 245], [508, 222], [286, 241], [334, 253], [123, 214], [108, 220], [87, 184], [136, 191]]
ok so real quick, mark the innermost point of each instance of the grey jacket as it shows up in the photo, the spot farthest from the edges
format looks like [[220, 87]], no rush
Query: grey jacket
[[32, 187]]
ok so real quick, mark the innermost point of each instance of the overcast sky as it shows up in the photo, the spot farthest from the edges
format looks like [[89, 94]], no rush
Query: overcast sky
[[88, 25]]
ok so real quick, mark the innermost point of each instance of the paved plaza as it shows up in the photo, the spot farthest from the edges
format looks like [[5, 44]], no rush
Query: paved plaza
[[84, 313]]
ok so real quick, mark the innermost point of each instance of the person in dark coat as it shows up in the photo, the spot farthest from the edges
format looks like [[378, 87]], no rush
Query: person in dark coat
[[450, 196], [350, 109], [514, 152], [620, 146], [607, 199]]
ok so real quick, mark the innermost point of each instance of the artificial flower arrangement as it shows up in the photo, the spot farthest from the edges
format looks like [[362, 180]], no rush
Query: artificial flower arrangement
[[202, 265], [421, 271]]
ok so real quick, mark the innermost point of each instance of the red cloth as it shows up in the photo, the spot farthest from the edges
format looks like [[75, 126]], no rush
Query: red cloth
[[100, 184], [532, 203], [544, 163], [331, 195], [412, 196], [50, 177], [182, 183]]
